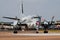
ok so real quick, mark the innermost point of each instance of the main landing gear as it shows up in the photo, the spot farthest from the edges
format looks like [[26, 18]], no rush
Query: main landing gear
[[45, 31]]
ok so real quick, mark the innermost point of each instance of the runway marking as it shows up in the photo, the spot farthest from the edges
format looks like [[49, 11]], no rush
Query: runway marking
[[34, 34]]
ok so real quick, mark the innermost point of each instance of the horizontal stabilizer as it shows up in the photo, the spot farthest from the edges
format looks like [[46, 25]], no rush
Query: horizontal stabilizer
[[12, 18]]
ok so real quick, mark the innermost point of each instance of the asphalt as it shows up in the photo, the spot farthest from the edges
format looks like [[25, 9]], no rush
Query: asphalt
[[9, 35]]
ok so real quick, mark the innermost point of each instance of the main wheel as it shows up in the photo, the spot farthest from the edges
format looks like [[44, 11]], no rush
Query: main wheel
[[45, 31], [37, 32], [15, 31]]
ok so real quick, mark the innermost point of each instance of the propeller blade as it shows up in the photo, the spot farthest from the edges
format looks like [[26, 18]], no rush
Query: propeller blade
[[52, 18]]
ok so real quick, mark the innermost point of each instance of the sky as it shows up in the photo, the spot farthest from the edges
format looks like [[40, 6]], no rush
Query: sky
[[44, 8]]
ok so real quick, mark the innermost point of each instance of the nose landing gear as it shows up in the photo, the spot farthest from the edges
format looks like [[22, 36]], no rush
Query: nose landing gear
[[15, 31]]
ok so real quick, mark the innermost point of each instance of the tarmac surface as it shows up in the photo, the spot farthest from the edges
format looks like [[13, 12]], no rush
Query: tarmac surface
[[9, 35]]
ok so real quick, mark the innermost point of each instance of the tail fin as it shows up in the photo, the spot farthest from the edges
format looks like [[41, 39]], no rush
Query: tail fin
[[22, 7]]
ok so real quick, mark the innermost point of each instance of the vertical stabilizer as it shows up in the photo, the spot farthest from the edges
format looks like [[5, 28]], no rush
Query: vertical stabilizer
[[22, 7]]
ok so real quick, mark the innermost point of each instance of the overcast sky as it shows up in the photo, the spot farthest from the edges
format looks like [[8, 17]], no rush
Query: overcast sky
[[44, 8]]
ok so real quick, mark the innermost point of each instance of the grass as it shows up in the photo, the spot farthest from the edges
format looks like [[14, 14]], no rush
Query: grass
[[54, 31], [51, 31]]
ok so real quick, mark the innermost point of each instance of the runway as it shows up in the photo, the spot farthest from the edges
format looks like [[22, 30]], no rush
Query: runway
[[6, 35], [37, 34]]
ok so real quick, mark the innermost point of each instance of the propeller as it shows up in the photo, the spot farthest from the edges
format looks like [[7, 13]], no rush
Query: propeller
[[50, 22]]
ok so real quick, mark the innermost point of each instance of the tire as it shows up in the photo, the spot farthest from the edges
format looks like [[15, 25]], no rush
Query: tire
[[15, 31], [45, 31], [37, 32]]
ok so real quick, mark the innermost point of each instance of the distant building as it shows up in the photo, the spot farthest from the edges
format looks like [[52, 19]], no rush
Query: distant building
[[57, 23]]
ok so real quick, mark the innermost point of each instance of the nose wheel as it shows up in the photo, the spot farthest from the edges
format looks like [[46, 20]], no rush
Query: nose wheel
[[15, 31], [37, 32]]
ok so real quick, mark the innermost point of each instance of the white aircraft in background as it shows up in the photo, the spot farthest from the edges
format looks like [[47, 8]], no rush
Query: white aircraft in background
[[25, 22]]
